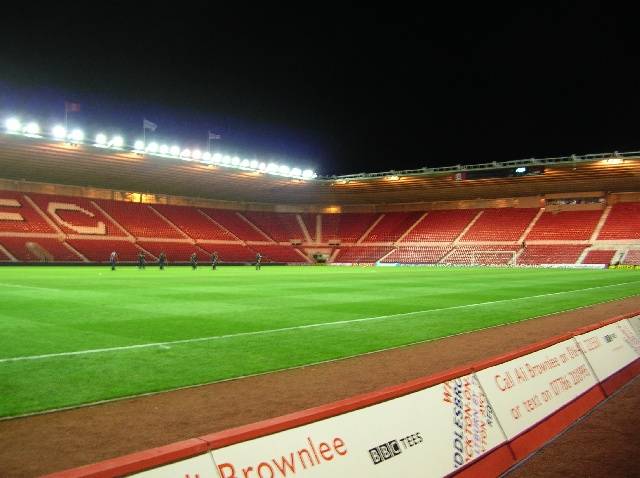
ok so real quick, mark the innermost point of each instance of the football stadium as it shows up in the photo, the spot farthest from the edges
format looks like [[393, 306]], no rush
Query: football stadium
[[184, 313]]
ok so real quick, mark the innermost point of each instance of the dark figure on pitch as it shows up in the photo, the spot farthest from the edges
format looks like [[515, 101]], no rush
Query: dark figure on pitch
[[162, 259], [214, 260], [113, 260], [141, 260], [258, 261], [194, 261]]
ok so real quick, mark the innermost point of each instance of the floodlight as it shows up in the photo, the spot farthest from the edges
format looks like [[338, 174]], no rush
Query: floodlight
[[296, 172], [283, 169], [152, 147], [31, 129], [245, 163], [101, 139], [116, 142], [174, 151], [76, 135], [185, 153], [59, 132], [254, 164], [307, 173], [235, 161], [273, 167], [262, 166], [226, 159], [217, 158], [138, 145], [196, 154], [12, 125], [206, 156]]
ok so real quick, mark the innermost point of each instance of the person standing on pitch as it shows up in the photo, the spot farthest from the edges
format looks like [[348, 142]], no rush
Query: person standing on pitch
[[214, 260], [141, 260], [162, 259], [258, 261], [194, 261], [113, 260]]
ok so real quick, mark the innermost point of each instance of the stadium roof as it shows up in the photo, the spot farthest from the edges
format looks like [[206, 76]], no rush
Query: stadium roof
[[43, 161]]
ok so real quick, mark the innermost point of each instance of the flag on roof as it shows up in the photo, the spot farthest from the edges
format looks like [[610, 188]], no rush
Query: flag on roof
[[213, 135], [71, 107], [149, 125]]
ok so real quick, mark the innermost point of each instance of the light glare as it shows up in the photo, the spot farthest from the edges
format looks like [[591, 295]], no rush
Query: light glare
[[58, 132], [76, 135], [117, 142], [12, 124], [32, 128]]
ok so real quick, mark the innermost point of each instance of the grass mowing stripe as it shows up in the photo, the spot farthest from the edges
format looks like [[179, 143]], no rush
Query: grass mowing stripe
[[89, 310], [300, 327]]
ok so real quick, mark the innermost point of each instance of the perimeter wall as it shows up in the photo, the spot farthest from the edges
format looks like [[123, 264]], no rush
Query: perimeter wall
[[472, 421]]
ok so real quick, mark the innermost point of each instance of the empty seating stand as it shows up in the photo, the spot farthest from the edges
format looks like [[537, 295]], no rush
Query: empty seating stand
[[441, 226], [622, 223], [362, 254], [599, 256], [392, 226], [62, 229], [506, 224], [346, 227], [417, 255], [564, 226], [550, 254]]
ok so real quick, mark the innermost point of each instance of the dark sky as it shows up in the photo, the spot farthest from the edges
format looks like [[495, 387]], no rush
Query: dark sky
[[338, 88]]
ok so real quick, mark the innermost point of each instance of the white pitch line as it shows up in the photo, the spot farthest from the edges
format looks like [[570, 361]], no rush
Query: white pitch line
[[166, 345], [17, 286]]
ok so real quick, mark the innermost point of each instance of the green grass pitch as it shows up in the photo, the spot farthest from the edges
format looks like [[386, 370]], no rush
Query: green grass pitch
[[77, 335]]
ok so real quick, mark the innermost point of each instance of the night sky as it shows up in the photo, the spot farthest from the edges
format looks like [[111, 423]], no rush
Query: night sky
[[333, 87]]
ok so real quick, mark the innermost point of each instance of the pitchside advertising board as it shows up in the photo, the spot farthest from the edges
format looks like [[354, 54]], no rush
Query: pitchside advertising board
[[528, 389], [428, 433], [635, 323], [610, 348], [432, 432]]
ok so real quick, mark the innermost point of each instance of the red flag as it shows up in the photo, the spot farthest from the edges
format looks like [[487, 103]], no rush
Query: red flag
[[72, 107]]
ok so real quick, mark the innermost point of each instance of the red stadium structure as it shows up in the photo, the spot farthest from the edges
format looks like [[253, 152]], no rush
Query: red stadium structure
[[71, 203], [63, 203]]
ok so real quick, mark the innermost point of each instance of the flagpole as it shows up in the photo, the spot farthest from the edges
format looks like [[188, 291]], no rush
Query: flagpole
[[209, 141], [66, 122], [144, 135]]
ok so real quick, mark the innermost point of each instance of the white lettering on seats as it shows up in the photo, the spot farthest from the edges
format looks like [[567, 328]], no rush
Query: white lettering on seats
[[10, 216], [54, 207]]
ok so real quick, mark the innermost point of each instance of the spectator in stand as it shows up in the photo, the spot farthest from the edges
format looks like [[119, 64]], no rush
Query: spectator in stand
[[214, 260], [141, 260], [113, 260], [162, 259], [258, 261], [194, 261]]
